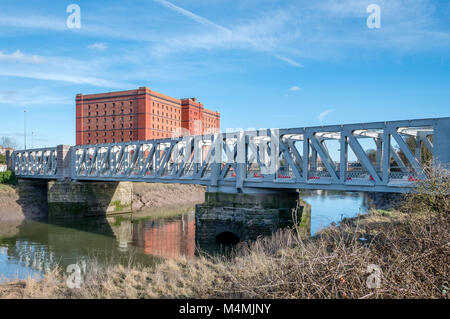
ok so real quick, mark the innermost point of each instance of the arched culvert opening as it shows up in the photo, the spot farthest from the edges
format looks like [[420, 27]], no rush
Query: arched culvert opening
[[227, 238]]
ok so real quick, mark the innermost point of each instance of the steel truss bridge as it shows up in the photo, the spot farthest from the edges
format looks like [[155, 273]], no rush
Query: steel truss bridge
[[380, 156]]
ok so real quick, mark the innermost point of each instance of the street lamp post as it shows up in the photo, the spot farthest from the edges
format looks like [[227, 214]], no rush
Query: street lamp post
[[24, 129]]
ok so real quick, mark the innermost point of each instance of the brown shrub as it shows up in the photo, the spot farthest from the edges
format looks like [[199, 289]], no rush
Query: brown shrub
[[412, 249]]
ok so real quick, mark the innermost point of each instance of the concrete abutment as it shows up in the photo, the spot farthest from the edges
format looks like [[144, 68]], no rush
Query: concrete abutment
[[70, 199], [248, 216]]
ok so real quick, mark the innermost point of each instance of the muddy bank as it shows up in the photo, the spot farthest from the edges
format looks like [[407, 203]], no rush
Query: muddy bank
[[23, 201]]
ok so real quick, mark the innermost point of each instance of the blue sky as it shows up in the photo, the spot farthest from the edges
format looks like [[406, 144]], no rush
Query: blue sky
[[261, 63]]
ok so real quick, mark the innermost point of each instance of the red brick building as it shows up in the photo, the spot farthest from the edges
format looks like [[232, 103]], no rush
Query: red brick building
[[140, 114]]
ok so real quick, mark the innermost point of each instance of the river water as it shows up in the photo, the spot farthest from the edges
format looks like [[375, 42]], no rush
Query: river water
[[34, 247]]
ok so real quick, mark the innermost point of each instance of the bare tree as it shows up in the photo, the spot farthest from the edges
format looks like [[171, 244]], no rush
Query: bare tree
[[8, 142]]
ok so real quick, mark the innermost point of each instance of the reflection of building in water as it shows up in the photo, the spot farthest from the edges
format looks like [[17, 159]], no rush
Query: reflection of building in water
[[170, 239]]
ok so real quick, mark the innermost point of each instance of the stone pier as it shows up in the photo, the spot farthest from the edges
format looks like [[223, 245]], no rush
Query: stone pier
[[70, 199], [232, 217], [385, 201]]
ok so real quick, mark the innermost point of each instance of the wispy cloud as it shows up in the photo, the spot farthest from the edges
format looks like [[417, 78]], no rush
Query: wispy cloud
[[98, 46], [254, 34], [33, 96], [60, 69], [33, 21], [18, 56], [289, 61], [295, 88], [192, 15], [323, 114], [76, 79]]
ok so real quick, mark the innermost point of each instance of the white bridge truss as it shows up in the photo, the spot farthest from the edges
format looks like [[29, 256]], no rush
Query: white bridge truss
[[35, 163], [383, 156]]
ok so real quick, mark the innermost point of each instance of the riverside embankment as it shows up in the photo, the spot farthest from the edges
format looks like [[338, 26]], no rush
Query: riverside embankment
[[383, 254], [20, 202], [410, 251]]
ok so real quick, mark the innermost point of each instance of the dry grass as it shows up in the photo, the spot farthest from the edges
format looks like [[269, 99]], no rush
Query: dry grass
[[412, 248]]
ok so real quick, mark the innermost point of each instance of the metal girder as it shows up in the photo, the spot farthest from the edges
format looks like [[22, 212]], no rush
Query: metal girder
[[270, 158], [36, 162]]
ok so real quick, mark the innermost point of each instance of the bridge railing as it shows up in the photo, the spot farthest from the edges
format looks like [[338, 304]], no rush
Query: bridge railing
[[381, 156], [35, 163]]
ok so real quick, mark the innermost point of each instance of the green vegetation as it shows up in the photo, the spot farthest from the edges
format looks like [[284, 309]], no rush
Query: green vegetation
[[118, 207], [8, 177], [2, 159]]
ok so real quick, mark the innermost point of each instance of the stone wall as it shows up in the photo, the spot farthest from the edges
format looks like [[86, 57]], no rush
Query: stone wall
[[79, 199], [248, 215], [380, 200]]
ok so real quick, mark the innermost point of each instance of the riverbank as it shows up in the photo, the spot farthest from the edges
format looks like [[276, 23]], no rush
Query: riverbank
[[411, 251], [11, 207], [18, 203], [384, 254]]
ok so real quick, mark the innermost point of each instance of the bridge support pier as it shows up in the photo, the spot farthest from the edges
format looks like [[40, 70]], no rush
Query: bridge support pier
[[70, 199], [383, 200], [231, 217]]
